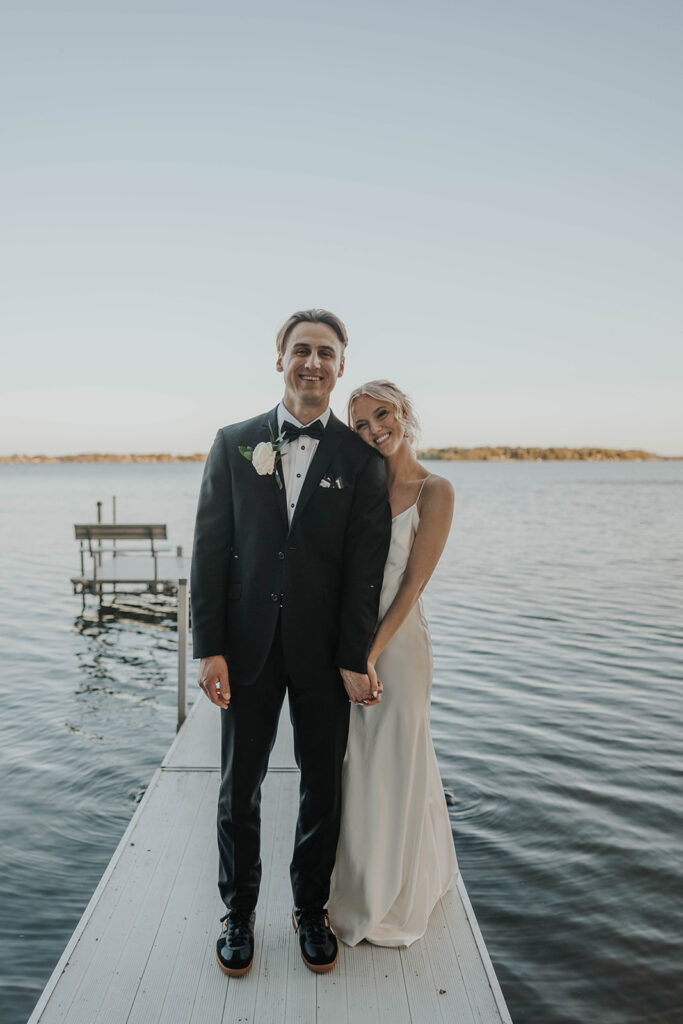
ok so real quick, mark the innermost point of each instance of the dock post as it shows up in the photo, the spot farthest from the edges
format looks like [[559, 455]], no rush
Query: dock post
[[113, 543], [99, 554], [182, 651]]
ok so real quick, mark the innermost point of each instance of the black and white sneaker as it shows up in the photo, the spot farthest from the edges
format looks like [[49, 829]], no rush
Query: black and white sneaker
[[235, 946], [317, 940]]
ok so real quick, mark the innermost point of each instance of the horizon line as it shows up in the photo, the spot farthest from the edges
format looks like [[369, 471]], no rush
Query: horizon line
[[431, 453]]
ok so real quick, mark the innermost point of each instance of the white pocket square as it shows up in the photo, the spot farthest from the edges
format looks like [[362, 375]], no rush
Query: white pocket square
[[337, 483]]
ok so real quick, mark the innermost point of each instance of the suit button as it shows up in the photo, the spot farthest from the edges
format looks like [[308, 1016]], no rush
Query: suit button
[[280, 554], [274, 597]]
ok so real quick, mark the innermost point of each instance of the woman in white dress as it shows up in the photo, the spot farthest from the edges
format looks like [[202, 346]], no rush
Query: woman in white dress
[[395, 857]]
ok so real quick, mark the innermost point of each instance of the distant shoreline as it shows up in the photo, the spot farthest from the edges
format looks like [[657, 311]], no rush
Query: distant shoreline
[[507, 454], [97, 457], [485, 454]]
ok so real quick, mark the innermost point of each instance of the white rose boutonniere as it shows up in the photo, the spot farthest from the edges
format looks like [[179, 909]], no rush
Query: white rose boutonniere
[[266, 456], [263, 458]]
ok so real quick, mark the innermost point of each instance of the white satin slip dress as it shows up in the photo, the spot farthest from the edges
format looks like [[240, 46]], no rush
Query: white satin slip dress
[[395, 856]]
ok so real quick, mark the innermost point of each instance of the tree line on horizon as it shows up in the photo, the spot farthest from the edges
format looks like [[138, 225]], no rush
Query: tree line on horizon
[[501, 453]]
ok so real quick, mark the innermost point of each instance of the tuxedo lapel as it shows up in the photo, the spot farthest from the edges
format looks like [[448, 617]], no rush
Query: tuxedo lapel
[[270, 424], [327, 447]]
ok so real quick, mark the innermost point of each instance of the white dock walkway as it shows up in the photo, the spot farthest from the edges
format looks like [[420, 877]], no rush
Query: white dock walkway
[[143, 951]]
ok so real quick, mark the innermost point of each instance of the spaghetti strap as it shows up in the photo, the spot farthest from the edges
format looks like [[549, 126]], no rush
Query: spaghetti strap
[[419, 493]]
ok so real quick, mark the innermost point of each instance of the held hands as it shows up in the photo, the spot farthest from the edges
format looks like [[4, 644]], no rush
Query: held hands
[[363, 689], [213, 679]]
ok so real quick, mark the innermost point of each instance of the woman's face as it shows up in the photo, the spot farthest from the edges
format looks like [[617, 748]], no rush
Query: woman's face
[[377, 424]]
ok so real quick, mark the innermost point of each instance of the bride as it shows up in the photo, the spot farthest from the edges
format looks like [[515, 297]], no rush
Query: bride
[[395, 857]]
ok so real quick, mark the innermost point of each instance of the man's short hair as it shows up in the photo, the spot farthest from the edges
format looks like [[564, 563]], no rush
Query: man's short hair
[[311, 316]]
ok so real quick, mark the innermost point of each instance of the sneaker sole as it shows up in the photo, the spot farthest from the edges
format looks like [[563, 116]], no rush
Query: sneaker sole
[[316, 968], [234, 972]]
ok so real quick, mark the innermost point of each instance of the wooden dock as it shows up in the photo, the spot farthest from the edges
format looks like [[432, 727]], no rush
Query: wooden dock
[[144, 950]]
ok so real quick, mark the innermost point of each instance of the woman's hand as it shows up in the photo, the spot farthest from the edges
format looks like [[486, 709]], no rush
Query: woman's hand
[[363, 688], [377, 688]]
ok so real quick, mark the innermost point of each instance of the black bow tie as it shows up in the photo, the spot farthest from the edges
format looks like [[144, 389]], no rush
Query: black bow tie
[[291, 432]]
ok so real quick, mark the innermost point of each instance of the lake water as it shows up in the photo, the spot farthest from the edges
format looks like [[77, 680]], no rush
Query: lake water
[[556, 615]]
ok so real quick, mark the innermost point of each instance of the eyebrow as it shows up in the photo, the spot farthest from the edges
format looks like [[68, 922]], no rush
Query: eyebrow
[[307, 344], [380, 408]]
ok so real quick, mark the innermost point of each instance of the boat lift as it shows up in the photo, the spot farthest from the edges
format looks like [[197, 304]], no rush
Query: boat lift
[[142, 580]]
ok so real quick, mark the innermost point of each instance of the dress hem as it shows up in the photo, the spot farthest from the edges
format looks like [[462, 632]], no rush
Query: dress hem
[[400, 941]]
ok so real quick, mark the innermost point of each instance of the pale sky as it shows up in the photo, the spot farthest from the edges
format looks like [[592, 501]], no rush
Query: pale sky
[[488, 193]]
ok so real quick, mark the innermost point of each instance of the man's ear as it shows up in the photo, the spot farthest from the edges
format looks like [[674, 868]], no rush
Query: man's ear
[[341, 367], [278, 365]]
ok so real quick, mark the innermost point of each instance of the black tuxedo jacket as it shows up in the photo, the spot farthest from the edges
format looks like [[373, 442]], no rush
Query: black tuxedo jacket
[[323, 574]]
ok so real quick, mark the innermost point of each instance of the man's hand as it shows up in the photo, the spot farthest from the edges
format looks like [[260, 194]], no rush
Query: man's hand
[[213, 679], [363, 688]]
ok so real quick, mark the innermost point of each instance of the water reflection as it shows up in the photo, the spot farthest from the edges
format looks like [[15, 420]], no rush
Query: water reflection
[[122, 659]]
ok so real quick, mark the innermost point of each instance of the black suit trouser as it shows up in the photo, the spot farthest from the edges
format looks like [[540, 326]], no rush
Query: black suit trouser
[[320, 719]]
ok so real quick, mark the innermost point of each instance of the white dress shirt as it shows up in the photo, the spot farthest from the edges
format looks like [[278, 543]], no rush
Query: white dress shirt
[[296, 456]]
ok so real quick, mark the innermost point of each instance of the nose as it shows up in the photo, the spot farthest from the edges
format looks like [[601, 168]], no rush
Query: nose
[[313, 361]]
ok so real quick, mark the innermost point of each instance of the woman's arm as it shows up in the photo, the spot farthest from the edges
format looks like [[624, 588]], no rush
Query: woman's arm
[[432, 533], [366, 545]]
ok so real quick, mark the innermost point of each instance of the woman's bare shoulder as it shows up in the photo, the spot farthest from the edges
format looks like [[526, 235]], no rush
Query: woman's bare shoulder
[[437, 493]]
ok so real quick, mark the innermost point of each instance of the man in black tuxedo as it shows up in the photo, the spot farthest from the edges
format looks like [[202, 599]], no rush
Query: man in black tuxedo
[[290, 543]]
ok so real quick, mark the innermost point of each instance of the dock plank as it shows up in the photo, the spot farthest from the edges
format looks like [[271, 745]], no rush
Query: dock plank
[[198, 743], [392, 997], [195, 952], [144, 951], [119, 982], [441, 953], [332, 1007], [479, 977], [362, 1002], [86, 959], [163, 962], [427, 1005]]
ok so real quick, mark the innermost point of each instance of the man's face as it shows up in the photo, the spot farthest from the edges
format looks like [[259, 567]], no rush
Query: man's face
[[312, 362]]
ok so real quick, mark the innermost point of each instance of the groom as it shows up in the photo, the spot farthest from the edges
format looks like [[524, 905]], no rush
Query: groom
[[292, 533]]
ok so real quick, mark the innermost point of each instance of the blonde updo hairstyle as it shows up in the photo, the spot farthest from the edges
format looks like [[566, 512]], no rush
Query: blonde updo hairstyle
[[385, 391]]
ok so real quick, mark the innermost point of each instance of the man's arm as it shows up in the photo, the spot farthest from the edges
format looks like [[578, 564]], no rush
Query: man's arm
[[365, 551], [211, 555]]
